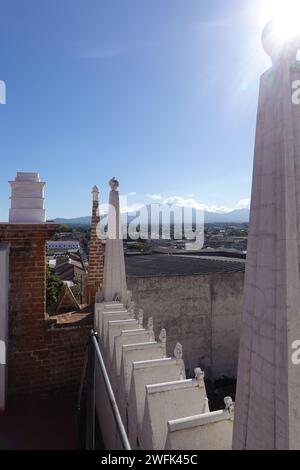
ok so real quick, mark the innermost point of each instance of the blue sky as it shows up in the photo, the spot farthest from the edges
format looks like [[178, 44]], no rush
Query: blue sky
[[161, 94]]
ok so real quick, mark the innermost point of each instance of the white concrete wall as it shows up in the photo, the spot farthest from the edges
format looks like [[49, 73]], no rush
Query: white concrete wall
[[4, 276], [203, 312]]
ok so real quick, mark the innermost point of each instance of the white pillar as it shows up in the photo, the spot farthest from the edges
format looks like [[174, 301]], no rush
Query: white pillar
[[114, 279], [268, 389]]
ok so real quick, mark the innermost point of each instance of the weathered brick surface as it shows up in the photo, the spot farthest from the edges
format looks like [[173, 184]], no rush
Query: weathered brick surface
[[43, 357], [96, 264]]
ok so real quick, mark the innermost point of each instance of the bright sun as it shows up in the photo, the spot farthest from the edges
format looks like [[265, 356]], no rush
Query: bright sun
[[286, 16]]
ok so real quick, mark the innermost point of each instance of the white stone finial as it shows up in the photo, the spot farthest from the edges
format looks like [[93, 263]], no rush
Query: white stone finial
[[130, 304], [199, 376], [141, 317], [163, 336], [178, 352], [114, 184], [163, 340], [131, 308], [229, 404], [150, 327], [95, 193]]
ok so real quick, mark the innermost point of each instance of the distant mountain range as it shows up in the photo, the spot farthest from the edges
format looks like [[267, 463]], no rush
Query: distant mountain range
[[76, 221], [236, 216]]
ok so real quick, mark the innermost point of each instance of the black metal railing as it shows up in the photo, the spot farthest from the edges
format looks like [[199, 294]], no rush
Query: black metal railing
[[86, 401]]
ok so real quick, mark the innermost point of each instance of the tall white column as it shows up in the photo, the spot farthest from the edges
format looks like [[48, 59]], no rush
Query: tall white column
[[268, 390], [114, 278]]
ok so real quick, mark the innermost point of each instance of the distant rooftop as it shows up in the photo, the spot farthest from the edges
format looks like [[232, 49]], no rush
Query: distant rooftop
[[180, 265]]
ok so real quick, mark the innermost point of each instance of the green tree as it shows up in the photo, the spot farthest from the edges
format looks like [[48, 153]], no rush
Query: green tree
[[53, 287], [65, 228]]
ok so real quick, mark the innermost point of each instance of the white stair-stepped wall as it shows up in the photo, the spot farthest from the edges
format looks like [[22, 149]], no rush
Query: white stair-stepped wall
[[160, 408]]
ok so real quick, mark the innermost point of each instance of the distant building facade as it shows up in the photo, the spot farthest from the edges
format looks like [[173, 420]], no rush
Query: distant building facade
[[63, 245]]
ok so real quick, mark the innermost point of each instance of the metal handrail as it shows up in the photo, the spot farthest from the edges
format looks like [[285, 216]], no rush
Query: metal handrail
[[110, 393], [111, 396]]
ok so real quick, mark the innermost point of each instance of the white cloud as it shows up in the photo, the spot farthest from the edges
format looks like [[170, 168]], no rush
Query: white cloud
[[183, 202], [132, 194], [155, 197], [191, 202], [180, 201], [243, 204]]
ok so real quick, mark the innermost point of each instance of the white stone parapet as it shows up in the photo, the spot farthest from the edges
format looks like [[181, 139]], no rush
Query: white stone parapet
[[115, 327], [140, 335], [167, 401], [146, 373], [107, 317], [207, 431], [151, 390]]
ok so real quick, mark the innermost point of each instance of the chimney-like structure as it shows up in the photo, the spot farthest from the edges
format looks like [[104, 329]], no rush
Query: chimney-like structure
[[95, 269], [26, 235], [114, 279], [268, 389], [27, 199]]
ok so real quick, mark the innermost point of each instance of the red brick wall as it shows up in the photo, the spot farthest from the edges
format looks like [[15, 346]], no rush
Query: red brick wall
[[96, 263], [43, 357]]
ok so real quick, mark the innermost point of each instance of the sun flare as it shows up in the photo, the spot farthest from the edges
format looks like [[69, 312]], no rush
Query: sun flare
[[286, 16]]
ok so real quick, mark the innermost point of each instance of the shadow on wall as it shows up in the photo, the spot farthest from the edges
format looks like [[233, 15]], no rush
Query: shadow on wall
[[203, 312]]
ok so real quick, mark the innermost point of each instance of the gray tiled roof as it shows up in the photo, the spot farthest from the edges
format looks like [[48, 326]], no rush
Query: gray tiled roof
[[174, 265]]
